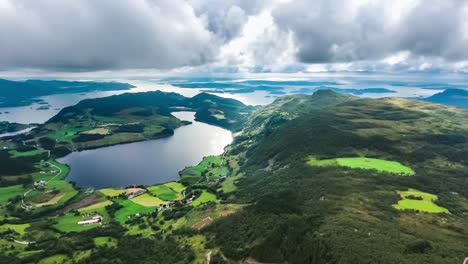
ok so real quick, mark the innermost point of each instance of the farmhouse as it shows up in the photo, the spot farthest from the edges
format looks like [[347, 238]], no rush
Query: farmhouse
[[134, 192], [93, 220], [40, 184]]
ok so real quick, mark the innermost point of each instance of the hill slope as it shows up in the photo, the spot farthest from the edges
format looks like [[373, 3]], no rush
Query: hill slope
[[333, 214]]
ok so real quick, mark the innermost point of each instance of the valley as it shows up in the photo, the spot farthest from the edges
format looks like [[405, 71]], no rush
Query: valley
[[328, 174]]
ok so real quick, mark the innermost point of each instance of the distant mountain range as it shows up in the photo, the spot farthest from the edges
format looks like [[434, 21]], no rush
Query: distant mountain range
[[454, 97], [21, 93]]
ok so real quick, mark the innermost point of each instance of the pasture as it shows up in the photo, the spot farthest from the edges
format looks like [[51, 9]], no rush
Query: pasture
[[68, 223], [205, 197], [419, 201], [129, 209], [147, 200], [206, 163], [168, 192], [10, 192], [363, 163], [112, 192]]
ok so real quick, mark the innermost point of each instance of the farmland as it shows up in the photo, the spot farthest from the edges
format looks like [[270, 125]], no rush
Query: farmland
[[130, 209], [168, 192]]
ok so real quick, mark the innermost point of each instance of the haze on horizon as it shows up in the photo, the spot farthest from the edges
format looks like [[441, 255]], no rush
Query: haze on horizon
[[241, 37]]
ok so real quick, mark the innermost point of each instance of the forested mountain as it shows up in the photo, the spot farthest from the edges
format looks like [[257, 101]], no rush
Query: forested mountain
[[301, 213]]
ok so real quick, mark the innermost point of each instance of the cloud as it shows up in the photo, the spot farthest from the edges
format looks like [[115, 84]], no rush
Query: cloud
[[229, 36], [327, 31], [227, 18], [89, 35]]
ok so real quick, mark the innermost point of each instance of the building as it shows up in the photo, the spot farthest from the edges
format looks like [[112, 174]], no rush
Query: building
[[93, 220], [134, 192], [40, 184]]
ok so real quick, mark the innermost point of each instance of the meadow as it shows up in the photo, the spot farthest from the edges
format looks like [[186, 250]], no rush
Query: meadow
[[168, 192], [363, 163], [205, 197], [130, 209], [419, 201]]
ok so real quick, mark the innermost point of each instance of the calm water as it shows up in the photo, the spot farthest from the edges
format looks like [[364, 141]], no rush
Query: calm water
[[148, 162]]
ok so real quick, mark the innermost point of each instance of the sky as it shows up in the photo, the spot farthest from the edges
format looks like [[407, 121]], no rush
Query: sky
[[213, 37]]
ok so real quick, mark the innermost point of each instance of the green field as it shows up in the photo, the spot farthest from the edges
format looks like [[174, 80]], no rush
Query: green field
[[168, 192], [176, 186], [18, 228], [105, 241], [363, 163], [35, 152], [55, 259], [163, 192], [204, 198], [10, 192], [425, 205], [112, 192], [130, 208], [68, 223], [204, 164], [148, 200]]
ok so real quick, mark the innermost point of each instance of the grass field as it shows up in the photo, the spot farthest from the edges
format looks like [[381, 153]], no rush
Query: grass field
[[105, 241], [10, 192], [148, 200], [35, 152], [204, 198], [55, 259], [163, 192], [18, 228], [176, 186], [130, 208], [363, 163], [68, 223], [112, 192], [229, 184], [168, 192], [198, 169], [425, 205]]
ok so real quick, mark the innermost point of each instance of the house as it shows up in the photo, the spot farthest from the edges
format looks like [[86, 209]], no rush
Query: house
[[93, 220], [134, 192], [40, 184]]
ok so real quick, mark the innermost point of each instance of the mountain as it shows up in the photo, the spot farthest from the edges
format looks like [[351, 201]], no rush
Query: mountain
[[454, 97], [305, 206], [20, 93]]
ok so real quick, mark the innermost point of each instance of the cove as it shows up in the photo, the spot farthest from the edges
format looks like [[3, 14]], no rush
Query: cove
[[147, 162]]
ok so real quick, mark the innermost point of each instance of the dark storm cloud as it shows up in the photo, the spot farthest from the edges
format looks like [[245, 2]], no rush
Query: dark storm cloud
[[104, 34], [346, 30]]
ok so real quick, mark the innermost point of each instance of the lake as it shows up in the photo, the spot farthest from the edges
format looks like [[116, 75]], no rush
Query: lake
[[148, 162]]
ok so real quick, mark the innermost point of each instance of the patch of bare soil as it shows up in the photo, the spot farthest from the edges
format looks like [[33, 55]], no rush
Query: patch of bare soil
[[92, 199]]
